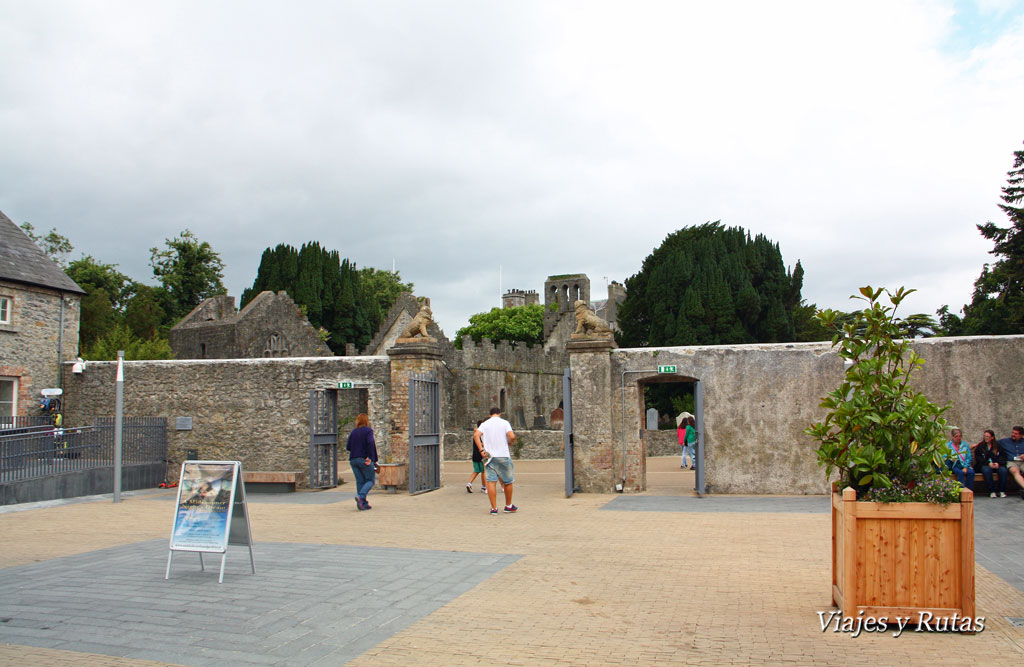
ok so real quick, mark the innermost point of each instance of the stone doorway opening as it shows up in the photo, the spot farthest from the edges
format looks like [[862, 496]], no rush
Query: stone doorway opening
[[352, 402], [664, 402]]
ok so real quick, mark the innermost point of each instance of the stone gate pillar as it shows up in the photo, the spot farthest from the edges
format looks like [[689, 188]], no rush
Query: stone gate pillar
[[590, 362], [411, 356]]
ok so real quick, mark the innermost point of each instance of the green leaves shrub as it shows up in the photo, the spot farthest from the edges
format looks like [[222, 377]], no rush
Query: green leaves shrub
[[878, 431]]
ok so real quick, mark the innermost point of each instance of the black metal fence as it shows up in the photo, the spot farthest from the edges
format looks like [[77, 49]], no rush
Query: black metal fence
[[57, 457], [23, 421]]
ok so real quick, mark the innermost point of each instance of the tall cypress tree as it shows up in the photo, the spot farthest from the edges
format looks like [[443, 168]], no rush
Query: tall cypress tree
[[709, 284], [330, 290]]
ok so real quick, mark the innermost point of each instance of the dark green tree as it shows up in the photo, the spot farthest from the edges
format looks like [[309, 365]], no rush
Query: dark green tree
[[997, 305], [519, 324], [714, 285], [349, 303], [190, 270], [106, 291]]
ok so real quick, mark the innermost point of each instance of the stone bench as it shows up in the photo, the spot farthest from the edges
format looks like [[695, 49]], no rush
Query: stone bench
[[273, 481]]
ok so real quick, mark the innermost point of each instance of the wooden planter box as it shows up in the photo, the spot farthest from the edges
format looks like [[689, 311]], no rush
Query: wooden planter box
[[393, 476], [902, 559]]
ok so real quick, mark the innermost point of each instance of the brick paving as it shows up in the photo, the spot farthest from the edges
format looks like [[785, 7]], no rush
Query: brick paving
[[564, 581]]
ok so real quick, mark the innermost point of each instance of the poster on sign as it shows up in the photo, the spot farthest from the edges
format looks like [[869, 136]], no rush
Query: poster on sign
[[205, 496], [210, 495]]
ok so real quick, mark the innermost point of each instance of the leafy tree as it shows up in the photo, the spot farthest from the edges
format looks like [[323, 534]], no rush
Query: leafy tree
[[90, 274], [711, 285], [146, 312], [120, 337], [189, 270], [106, 290], [379, 291], [520, 324], [997, 305], [57, 246]]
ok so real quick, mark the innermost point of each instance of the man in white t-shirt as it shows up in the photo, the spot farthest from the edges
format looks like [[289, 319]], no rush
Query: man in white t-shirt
[[494, 436]]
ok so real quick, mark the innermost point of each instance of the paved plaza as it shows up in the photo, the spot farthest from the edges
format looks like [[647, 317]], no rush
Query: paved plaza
[[660, 577]]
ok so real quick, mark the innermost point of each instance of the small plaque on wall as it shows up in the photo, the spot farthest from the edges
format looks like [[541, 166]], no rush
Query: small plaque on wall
[[183, 423]]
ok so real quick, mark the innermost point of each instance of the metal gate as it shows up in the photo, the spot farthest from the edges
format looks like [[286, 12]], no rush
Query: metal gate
[[567, 441], [323, 438], [424, 433], [698, 407]]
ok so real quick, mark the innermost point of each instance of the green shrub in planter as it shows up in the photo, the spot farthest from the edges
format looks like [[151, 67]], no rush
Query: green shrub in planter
[[879, 432]]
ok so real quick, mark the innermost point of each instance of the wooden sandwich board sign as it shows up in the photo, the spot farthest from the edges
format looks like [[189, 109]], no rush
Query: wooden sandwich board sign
[[210, 495]]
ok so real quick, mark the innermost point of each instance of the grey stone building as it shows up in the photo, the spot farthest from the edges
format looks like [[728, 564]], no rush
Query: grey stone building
[[271, 325], [39, 316]]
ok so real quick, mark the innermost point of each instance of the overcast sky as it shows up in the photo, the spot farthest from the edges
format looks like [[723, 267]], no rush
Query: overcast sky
[[867, 139]]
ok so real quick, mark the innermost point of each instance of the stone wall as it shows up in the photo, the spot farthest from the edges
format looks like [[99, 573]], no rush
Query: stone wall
[[530, 378], [33, 338], [252, 410], [759, 398], [529, 444], [270, 325], [661, 443]]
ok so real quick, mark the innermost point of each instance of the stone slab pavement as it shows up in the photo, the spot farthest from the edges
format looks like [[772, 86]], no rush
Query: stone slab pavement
[[564, 581]]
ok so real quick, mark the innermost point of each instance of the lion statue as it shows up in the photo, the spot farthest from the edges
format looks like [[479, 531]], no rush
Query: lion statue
[[419, 324], [587, 323]]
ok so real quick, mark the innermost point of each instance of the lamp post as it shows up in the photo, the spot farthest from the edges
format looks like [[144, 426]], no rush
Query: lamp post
[[118, 419]]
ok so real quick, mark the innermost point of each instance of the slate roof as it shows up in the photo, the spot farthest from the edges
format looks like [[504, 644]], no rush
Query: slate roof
[[22, 261]]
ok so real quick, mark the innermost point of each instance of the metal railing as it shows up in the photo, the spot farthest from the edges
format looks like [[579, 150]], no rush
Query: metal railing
[[31, 452], [24, 421]]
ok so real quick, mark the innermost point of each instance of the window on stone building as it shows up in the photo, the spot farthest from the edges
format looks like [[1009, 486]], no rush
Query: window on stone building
[[202, 350], [6, 304], [8, 397], [276, 346]]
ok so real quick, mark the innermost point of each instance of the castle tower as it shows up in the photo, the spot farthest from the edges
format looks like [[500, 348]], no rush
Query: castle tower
[[518, 297], [560, 292]]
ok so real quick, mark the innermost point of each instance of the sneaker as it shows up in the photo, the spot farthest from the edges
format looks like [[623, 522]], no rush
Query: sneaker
[[359, 504], [509, 508], [494, 511], [366, 505], [1002, 494], [992, 495], [469, 487], [483, 489]]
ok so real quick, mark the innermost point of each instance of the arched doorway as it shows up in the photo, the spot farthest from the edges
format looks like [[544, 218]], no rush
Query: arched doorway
[[662, 400]]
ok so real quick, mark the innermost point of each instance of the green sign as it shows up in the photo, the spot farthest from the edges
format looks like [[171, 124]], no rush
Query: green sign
[[666, 369], [344, 385]]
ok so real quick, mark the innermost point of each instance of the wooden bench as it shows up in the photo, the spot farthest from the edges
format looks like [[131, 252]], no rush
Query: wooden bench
[[1011, 482], [273, 481]]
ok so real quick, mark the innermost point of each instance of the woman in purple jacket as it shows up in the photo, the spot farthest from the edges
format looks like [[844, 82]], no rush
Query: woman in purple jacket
[[363, 458]]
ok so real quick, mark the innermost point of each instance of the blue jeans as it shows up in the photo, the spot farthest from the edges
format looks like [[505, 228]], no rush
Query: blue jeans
[[364, 476], [965, 476], [688, 450], [986, 472]]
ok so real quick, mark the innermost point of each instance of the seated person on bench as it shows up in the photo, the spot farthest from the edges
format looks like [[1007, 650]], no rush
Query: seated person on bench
[[1014, 448], [959, 460], [990, 459]]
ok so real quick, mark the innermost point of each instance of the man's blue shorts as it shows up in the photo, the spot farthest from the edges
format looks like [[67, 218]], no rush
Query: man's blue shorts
[[500, 467]]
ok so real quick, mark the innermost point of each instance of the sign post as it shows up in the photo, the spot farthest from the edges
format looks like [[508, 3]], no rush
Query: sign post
[[210, 495], [118, 423]]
